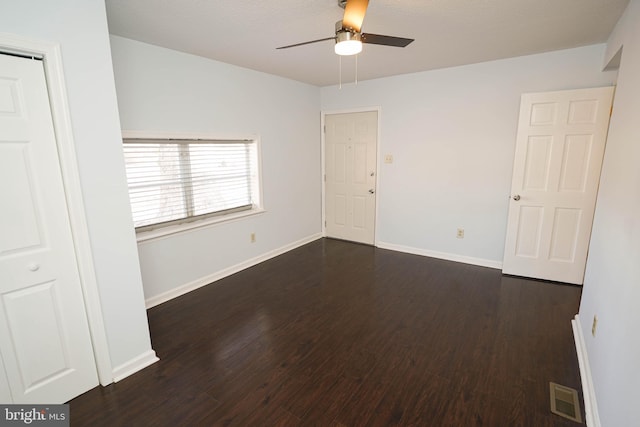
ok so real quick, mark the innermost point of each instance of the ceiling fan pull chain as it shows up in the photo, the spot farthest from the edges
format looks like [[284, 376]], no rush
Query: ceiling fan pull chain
[[356, 70], [340, 71]]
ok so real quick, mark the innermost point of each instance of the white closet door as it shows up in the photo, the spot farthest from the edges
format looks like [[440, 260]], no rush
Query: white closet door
[[44, 336]]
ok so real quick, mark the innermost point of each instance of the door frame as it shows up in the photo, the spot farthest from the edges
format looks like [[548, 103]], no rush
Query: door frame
[[61, 116], [323, 115]]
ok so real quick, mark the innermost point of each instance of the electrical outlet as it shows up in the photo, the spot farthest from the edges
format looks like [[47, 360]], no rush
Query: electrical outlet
[[594, 325], [253, 237], [460, 233], [388, 158]]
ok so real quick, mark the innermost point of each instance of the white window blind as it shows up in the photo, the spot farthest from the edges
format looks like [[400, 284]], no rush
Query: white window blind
[[182, 180]]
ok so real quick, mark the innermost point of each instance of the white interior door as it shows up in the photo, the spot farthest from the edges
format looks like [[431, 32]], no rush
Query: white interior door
[[559, 150], [44, 336], [350, 175]]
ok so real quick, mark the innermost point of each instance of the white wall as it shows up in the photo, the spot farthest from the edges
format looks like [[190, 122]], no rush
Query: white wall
[[162, 90], [452, 136], [612, 281], [81, 29]]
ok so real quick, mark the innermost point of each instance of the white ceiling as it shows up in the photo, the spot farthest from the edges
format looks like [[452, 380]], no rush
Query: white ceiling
[[446, 32]]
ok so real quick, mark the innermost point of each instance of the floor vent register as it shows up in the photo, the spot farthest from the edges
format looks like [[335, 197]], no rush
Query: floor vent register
[[564, 402]]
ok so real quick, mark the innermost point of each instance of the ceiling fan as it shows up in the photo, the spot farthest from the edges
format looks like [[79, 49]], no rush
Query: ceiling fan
[[349, 37]]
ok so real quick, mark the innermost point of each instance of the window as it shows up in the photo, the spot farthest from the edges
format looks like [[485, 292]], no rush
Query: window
[[173, 181]]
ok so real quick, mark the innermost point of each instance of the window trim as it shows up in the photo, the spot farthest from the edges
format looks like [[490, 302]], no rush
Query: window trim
[[157, 231]]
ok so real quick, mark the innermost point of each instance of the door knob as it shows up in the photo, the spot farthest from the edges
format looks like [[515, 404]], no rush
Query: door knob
[[371, 191], [516, 197]]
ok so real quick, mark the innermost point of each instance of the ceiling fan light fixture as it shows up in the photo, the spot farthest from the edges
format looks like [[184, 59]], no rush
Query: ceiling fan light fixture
[[348, 43]]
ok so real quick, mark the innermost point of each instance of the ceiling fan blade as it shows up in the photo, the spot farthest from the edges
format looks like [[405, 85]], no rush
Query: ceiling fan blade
[[385, 40], [303, 43], [354, 14]]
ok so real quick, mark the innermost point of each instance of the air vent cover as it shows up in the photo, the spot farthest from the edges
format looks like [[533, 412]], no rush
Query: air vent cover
[[564, 402]]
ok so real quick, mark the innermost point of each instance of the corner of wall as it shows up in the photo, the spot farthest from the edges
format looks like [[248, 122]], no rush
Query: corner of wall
[[592, 418]]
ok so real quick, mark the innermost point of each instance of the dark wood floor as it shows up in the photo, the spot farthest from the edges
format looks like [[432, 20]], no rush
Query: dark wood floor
[[340, 334]]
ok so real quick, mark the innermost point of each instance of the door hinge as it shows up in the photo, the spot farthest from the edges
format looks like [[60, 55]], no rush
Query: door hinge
[[324, 128]]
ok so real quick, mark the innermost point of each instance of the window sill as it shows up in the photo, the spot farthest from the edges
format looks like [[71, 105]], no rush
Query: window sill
[[163, 232]]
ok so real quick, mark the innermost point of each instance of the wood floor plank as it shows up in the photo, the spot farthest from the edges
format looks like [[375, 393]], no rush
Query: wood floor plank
[[340, 334]]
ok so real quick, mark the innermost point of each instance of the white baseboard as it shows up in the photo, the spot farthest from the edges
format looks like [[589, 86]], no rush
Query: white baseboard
[[441, 255], [203, 281], [134, 365], [592, 417]]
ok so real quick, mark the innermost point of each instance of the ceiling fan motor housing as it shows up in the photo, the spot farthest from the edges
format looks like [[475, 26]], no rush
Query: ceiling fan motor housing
[[346, 35]]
